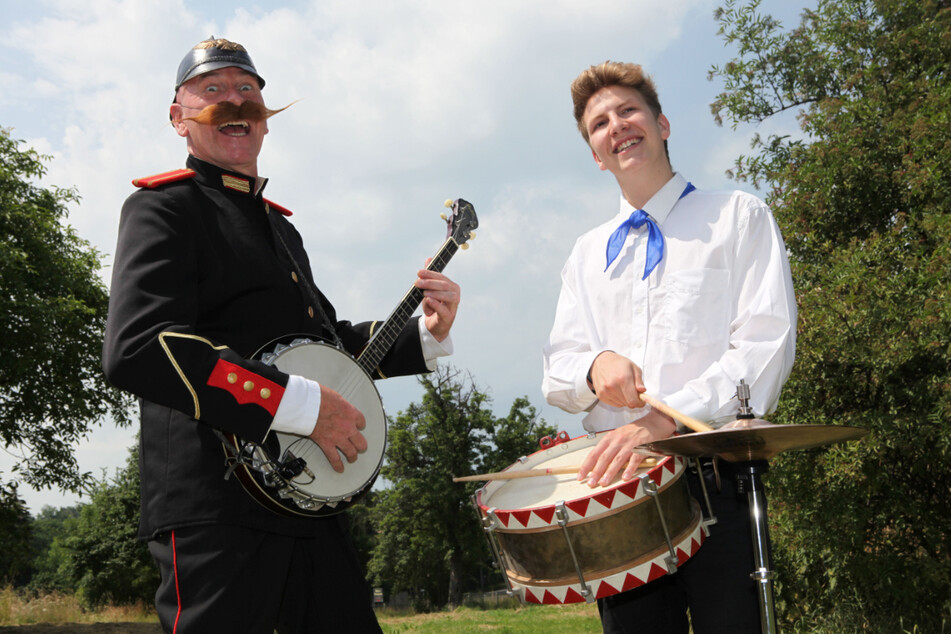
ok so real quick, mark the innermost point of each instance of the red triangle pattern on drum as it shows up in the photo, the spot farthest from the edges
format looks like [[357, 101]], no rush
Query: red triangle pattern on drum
[[606, 498], [579, 506], [530, 597], [630, 489], [522, 517], [605, 590], [656, 573], [550, 599], [546, 513], [503, 517], [681, 557], [631, 582], [573, 596]]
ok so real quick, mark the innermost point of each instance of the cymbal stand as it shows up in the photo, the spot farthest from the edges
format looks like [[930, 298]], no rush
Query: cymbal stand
[[748, 480]]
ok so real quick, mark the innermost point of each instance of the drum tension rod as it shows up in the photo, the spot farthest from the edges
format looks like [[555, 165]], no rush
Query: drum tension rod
[[562, 514], [650, 488], [489, 521], [708, 519]]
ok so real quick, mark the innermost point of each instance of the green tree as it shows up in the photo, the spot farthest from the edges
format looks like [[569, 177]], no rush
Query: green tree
[[430, 543], [15, 535], [863, 195], [106, 560], [52, 315], [52, 570]]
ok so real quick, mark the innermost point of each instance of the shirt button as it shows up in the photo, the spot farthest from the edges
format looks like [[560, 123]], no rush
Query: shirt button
[[310, 311], [265, 393], [248, 386], [232, 378], [294, 276]]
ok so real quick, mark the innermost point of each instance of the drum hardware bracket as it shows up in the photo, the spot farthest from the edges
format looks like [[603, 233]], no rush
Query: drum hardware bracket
[[561, 513], [650, 488], [762, 575], [489, 523]]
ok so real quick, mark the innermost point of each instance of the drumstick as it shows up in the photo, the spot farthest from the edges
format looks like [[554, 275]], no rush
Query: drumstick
[[688, 421], [533, 473]]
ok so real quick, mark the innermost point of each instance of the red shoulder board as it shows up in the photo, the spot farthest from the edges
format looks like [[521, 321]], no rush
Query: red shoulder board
[[151, 182], [276, 207]]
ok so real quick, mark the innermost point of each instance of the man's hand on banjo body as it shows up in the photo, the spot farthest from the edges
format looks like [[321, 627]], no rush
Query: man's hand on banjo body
[[338, 427]]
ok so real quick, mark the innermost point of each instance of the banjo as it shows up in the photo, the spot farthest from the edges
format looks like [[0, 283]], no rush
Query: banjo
[[289, 474]]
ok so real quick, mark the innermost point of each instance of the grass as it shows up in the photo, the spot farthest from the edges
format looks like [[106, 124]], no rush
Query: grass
[[18, 609], [568, 619]]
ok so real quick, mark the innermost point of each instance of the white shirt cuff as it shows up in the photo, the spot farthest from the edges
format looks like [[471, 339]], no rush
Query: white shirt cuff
[[299, 408], [433, 349]]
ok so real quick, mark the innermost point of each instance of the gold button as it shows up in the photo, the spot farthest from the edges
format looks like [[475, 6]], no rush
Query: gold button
[[232, 378], [310, 311], [293, 276], [265, 393], [248, 386]]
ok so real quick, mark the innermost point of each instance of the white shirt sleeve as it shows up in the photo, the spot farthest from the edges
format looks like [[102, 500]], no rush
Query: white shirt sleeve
[[433, 349], [299, 408]]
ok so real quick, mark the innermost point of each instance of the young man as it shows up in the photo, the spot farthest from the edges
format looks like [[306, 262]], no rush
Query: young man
[[682, 294], [206, 273]]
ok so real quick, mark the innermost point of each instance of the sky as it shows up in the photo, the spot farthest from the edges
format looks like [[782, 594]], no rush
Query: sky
[[397, 107]]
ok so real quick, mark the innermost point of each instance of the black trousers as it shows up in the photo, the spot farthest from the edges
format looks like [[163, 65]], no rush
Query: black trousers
[[714, 586], [231, 579]]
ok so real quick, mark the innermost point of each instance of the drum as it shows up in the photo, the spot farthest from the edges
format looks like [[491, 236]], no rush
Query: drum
[[557, 540]]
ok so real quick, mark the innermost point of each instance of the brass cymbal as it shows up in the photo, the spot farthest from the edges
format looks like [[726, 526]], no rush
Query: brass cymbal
[[751, 439]]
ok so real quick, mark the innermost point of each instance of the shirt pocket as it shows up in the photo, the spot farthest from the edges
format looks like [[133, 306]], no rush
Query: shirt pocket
[[694, 306]]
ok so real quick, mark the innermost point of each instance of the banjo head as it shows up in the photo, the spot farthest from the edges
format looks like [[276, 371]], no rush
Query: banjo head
[[316, 489]]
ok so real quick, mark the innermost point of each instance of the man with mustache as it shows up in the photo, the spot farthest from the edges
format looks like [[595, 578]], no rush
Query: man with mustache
[[680, 295], [207, 271]]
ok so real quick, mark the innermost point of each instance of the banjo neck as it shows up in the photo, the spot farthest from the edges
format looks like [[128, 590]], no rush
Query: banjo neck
[[460, 228]]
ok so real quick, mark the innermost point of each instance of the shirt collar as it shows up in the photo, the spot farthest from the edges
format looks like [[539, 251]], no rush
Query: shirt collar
[[660, 204]]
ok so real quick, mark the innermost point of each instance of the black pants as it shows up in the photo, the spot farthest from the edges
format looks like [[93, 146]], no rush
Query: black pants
[[714, 585], [231, 579]]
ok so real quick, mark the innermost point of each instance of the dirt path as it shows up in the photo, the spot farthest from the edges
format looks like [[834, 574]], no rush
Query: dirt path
[[84, 628]]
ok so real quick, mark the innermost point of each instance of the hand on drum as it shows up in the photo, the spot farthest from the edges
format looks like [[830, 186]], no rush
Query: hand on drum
[[338, 428], [614, 453]]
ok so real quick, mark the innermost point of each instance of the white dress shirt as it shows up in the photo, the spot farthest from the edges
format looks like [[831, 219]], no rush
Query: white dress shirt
[[298, 410], [718, 308]]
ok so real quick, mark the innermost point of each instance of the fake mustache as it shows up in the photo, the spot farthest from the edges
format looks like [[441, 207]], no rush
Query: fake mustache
[[226, 112]]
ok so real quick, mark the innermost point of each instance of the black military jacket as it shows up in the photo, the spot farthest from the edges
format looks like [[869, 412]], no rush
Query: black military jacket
[[200, 283]]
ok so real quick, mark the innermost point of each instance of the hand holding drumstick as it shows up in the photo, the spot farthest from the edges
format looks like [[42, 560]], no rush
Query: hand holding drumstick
[[617, 381]]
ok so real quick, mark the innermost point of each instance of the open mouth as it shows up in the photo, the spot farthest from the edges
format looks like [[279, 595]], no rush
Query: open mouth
[[235, 128], [627, 144]]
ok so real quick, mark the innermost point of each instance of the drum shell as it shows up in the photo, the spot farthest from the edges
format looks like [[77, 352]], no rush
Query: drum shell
[[603, 544], [615, 533]]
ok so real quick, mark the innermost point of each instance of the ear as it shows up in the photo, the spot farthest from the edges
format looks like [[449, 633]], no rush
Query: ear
[[664, 127], [597, 159], [175, 113]]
